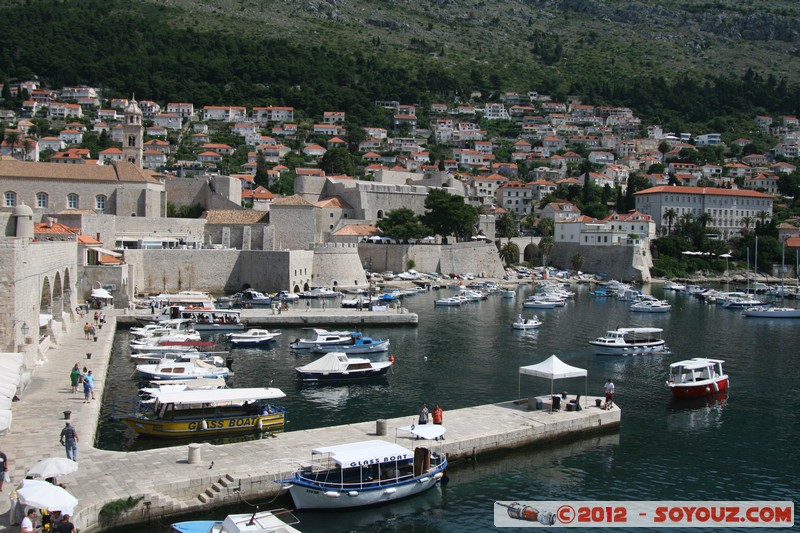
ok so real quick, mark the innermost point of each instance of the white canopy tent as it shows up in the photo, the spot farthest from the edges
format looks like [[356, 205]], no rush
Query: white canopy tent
[[553, 368], [101, 294]]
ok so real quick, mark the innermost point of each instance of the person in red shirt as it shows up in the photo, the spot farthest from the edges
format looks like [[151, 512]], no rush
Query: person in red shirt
[[436, 415]]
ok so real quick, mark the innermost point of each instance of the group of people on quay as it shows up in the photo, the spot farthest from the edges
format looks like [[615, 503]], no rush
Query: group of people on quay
[[78, 377]]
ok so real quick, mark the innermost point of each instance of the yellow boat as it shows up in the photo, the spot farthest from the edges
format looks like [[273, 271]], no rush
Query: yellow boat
[[205, 413]]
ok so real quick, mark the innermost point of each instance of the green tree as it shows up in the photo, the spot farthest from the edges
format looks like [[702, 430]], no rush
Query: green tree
[[545, 247], [262, 176], [670, 214], [506, 226], [337, 161], [577, 261], [402, 224], [447, 214], [546, 226], [509, 253]]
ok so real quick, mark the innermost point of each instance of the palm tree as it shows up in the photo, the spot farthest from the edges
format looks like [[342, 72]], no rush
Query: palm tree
[[670, 214], [577, 261], [509, 253], [705, 219], [546, 226], [762, 217], [546, 246]]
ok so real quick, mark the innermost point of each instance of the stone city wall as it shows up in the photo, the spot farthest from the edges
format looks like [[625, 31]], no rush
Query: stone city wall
[[617, 262], [459, 258], [218, 271], [242, 237]]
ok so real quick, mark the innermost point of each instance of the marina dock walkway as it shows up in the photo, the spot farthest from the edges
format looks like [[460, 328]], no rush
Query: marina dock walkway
[[169, 484]]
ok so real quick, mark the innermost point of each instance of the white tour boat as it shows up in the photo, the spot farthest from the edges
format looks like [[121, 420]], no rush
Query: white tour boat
[[321, 337], [651, 306], [188, 370], [629, 341], [364, 473], [697, 377]]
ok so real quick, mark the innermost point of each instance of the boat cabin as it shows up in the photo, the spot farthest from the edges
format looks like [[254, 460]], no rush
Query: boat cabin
[[695, 370]]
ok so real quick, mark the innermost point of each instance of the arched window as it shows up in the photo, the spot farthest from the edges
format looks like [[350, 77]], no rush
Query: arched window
[[41, 200], [100, 202], [72, 201], [9, 199], [380, 214]]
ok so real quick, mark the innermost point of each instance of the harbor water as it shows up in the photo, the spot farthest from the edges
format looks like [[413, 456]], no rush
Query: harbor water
[[739, 447]]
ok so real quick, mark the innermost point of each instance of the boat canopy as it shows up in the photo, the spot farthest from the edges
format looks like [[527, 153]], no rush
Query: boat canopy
[[196, 396], [331, 362], [640, 331], [367, 452], [696, 363]]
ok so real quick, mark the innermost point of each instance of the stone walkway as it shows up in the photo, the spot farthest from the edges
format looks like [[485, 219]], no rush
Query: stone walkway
[[39, 415], [168, 484]]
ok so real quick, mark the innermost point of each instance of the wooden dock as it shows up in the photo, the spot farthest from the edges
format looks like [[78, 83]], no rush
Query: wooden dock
[[164, 482]]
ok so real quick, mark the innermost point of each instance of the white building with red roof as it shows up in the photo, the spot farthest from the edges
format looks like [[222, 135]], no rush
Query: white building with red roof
[[726, 207]]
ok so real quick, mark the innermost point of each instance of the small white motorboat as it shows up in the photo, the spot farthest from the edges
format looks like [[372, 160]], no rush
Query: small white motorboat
[[252, 337], [338, 366], [651, 306], [321, 337], [771, 312], [277, 521], [189, 370], [453, 301], [526, 323]]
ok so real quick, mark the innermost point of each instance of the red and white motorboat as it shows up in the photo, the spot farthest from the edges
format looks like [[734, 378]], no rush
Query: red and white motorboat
[[697, 377]]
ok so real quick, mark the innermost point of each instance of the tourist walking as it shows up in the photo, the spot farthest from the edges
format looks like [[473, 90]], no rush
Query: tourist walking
[[3, 468], [75, 377], [96, 317], [92, 332], [609, 388], [88, 386], [423, 414], [86, 330], [69, 440]]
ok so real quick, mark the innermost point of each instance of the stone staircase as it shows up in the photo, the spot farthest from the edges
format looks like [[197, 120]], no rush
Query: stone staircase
[[223, 483]]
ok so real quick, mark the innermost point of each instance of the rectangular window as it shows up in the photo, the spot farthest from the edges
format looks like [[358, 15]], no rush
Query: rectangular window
[[10, 199]]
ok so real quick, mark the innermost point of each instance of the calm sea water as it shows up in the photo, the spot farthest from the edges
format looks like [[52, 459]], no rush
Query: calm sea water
[[743, 447]]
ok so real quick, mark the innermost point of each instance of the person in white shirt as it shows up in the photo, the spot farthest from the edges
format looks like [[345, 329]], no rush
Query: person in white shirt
[[609, 388], [27, 522]]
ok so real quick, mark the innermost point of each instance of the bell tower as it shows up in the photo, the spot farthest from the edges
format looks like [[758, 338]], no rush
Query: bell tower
[[132, 133]]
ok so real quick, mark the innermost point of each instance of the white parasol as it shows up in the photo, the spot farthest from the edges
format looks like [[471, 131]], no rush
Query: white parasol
[[44, 495], [53, 467]]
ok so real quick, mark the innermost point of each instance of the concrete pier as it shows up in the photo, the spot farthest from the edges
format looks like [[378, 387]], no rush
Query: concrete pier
[[181, 479]]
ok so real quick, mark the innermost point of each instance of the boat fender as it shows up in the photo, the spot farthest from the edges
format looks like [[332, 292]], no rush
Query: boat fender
[[203, 425], [260, 424], [332, 494], [391, 358], [708, 389], [390, 491], [716, 387], [353, 493], [423, 479]]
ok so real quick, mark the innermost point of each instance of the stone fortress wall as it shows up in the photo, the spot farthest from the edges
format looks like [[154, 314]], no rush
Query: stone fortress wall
[[226, 271], [338, 265], [458, 258], [623, 263]]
